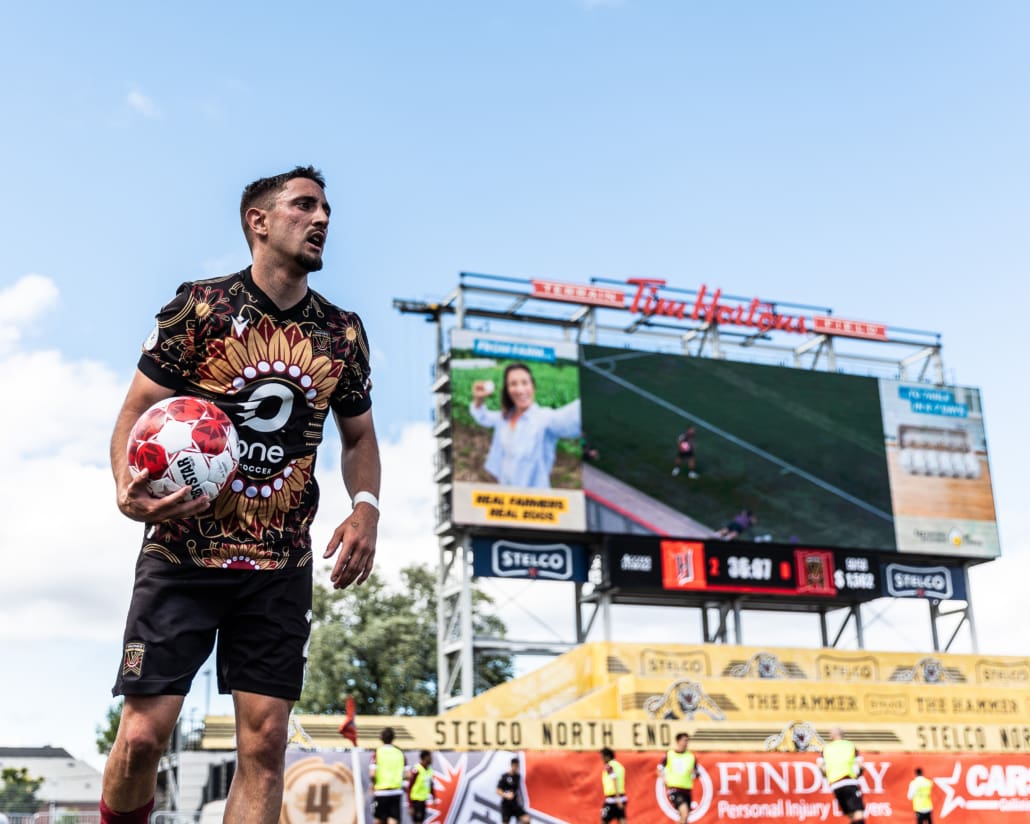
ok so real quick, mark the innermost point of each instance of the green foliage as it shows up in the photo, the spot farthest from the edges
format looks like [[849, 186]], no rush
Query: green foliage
[[108, 731], [379, 645], [18, 791]]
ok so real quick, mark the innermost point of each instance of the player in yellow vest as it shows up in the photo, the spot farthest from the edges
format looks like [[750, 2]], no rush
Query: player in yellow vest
[[387, 773], [842, 765], [613, 781], [679, 769], [919, 792], [420, 786]]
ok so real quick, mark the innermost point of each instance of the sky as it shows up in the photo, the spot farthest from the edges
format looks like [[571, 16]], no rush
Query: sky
[[865, 156]]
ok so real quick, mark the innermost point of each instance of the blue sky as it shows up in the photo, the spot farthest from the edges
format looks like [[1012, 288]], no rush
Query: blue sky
[[870, 157]]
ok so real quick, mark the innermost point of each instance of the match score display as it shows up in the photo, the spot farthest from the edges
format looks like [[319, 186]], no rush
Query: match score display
[[638, 564]]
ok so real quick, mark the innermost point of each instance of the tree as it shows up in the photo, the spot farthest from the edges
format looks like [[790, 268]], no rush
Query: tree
[[108, 731], [18, 791], [379, 646]]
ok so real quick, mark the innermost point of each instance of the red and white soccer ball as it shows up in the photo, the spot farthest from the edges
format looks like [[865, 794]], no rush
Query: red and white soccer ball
[[184, 441]]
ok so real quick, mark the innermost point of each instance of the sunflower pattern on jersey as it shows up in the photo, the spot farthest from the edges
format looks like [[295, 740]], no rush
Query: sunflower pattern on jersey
[[264, 351]]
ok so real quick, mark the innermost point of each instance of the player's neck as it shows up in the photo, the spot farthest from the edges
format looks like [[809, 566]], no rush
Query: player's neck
[[284, 287]]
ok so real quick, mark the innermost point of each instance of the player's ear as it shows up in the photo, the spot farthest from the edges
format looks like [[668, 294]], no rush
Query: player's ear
[[257, 221]]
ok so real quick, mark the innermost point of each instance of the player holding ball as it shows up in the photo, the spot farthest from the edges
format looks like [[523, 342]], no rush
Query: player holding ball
[[236, 572]]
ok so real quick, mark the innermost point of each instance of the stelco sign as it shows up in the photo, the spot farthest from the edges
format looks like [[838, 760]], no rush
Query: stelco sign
[[709, 306], [516, 559]]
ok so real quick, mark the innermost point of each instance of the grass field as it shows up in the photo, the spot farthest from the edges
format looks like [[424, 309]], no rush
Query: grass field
[[803, 450]]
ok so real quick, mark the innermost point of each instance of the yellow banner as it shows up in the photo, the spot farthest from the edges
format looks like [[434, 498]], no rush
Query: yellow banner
[[481, 734]]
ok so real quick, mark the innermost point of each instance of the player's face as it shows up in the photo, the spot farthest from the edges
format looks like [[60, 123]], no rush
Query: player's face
[[298, 223], [519, 384]]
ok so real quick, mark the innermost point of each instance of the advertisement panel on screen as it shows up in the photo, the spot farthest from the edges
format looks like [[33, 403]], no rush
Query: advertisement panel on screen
[[517, 432], [937, 462], [708, 449]]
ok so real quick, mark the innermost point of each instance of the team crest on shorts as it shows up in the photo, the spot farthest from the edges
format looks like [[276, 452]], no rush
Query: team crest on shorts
[[132, 663]]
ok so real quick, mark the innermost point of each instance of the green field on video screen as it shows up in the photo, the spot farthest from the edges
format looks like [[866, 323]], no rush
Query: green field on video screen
[[804, 450]]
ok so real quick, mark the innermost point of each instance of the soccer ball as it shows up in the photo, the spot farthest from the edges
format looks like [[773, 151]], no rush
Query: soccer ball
[[184, 441]]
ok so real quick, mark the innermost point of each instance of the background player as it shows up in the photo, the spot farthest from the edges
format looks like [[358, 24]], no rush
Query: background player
[[386, 770], [685, 453], [842, 765], [420, 786], [919, 793], [679, 769], [613, 781], [509, 788]]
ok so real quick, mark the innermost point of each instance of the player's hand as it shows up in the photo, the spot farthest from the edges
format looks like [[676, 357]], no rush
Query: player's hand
[[136, 502], [355, 538]]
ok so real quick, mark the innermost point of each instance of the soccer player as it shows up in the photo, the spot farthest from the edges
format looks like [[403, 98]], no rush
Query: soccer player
[[919, 793], [386, 770], [685, 452], [509, 788], [679, 769], [842, 765], [420, 786], [613, 781], [278, 358]]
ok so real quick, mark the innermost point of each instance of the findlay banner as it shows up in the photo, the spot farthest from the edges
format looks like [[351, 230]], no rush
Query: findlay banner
[[565, 788]]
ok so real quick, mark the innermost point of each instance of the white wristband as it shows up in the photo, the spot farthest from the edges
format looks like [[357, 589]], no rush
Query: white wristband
[[365, 498]]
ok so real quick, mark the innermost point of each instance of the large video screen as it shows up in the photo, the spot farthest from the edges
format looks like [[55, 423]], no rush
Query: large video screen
[[702, 448], [548, 435]]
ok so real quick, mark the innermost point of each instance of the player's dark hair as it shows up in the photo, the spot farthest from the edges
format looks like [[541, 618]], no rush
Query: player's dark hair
[[386, 736], [919, 770], [507, 404], [607, 753], [515, 762], [261, 192], [681, 736], [425, 753]]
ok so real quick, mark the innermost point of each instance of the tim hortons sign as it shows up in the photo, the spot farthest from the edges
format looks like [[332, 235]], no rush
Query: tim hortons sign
[[644, 297]]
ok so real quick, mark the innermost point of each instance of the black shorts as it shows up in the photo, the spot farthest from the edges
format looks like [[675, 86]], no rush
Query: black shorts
[[613, 812], [924, 817], [261, 619], [679, 796], [386, 806], [418, 811], [850, 798], [510, 810]]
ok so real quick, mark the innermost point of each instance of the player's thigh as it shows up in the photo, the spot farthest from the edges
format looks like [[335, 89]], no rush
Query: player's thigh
[[262, 643]]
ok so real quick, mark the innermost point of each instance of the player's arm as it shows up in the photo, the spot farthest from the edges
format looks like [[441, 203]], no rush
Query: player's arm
[[661, 766], [134, 500], [355, 538]]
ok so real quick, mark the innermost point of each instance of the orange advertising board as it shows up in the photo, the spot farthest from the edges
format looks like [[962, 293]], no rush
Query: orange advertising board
[[565, 787]]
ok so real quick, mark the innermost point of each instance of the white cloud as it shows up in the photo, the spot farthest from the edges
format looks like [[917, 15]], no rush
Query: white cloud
[[143, 105], [23, 302]]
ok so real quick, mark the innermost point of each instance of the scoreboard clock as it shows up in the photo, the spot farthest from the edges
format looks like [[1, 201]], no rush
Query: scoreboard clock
[[746, 568]]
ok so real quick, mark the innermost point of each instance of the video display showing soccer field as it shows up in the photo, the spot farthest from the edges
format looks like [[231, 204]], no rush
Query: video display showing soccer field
[[802, 451]]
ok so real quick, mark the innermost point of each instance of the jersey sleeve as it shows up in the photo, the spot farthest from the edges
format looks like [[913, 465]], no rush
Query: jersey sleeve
[[169, 353], [353, 393]]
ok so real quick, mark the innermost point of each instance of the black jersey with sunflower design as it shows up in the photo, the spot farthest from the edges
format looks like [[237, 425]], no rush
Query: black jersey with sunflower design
[[277, 374]]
